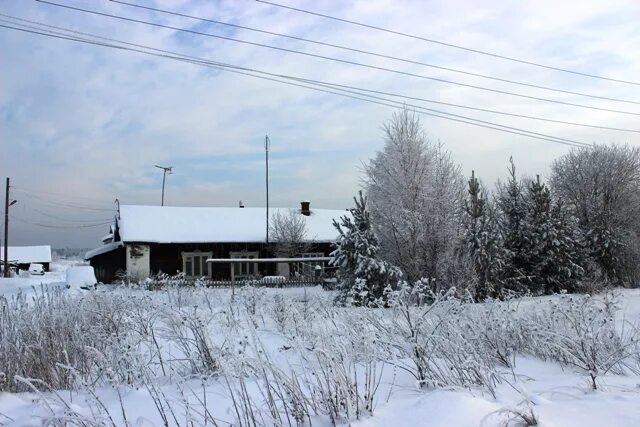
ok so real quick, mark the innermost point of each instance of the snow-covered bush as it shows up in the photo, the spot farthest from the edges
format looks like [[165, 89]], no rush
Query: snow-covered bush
[[65, 340], [275, 357], [580, 331], [427, 342]]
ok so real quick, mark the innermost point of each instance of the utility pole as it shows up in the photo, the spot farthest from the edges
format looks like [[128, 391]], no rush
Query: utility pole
[[164, 176], [6, 230], [267, 145]]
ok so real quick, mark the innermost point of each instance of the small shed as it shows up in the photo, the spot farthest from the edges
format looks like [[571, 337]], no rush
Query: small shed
[[22, 256]]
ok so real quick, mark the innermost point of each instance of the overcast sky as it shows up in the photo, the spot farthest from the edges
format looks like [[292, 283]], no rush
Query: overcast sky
[[82, 125]]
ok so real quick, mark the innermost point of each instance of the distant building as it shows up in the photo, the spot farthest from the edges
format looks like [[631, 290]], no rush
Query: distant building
[[22, 256], [145, 240]]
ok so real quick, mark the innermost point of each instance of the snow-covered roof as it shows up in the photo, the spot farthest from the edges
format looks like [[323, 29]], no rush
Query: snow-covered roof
[[166, 224], [27, 254], [107, 247]]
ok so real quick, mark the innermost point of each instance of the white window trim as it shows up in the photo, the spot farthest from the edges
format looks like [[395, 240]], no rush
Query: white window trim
[[245, 254], [185, 255]]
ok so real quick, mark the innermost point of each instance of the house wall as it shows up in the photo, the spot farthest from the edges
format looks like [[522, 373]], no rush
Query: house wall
[[138, 260], [167, 258], [144, 259], [109, 264]]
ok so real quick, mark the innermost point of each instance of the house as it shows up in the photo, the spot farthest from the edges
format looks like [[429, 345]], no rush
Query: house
[[22, 256], [145, 240]]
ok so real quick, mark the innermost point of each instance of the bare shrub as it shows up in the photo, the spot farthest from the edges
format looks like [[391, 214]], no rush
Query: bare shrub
[[581, 332], [65, 341]]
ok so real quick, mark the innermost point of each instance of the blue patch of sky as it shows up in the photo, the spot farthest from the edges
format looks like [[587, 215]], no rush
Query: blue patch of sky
[[240, 168]]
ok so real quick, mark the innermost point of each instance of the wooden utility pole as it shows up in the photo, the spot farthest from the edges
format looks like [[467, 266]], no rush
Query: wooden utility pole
[[6, 230], [267, 144]]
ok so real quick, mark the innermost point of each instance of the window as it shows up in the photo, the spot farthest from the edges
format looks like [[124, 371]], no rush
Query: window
[[244, 269], [194, 264]]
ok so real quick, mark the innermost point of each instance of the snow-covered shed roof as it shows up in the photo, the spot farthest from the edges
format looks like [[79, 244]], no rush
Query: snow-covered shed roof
[[107, 247], [166, 224], [27, 254]]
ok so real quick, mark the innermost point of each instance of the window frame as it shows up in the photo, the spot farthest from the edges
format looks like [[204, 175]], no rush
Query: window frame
[[251, 268]]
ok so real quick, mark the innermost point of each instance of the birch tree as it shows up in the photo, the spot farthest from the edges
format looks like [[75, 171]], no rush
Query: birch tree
[[601, 187], [415, 191]]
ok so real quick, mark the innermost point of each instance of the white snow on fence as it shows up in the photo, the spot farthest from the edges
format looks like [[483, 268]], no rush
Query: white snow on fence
[[166, 224], [27, 254]]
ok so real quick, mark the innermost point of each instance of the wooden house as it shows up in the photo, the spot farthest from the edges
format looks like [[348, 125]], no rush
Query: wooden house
[[146, 240]]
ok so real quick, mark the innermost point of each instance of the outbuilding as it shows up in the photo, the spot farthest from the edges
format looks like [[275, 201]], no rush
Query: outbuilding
[[22, 256]]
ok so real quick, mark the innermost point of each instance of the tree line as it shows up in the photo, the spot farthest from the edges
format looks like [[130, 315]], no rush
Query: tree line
[[417, 219]]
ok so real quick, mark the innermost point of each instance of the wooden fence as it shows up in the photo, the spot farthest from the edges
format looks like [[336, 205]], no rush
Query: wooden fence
[[294, 282]]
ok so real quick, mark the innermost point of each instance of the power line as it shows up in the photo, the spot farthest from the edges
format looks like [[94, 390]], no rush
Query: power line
[[312, 81], [345, 61], [379, 55], [396, 105], [468, 49], [63, 204], [391, 103], [486, 110], [71, 220], [59, 226], [30, 190]]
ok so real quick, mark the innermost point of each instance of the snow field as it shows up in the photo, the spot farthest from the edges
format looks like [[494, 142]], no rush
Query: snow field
[[193, 356]]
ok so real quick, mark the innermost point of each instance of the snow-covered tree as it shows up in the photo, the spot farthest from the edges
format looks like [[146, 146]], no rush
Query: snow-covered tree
[[363, 275], [445, 227], [512, 206], [553, 243], [601, 186], [483, 242], [415, 191]]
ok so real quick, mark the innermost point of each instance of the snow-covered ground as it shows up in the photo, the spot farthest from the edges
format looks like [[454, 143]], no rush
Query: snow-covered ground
[[192, 356], [13, 285]]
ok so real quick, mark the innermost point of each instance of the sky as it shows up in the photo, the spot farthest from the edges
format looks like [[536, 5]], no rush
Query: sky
[[83, 125]]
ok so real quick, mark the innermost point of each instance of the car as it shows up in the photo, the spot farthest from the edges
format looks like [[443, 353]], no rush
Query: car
[[36, 269]]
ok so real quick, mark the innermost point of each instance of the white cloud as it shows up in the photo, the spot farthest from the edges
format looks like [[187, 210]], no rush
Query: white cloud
[[91, 122]]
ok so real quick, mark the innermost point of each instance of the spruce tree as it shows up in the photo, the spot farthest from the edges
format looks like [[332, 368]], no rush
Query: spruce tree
[[363, 275], [554, 244], [512, 204], [483, 242]]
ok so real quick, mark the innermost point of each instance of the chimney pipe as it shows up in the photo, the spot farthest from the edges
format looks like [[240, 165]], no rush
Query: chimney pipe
[[305, 208]]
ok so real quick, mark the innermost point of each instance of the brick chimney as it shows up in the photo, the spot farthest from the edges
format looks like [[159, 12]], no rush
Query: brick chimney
[[305, 208]]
